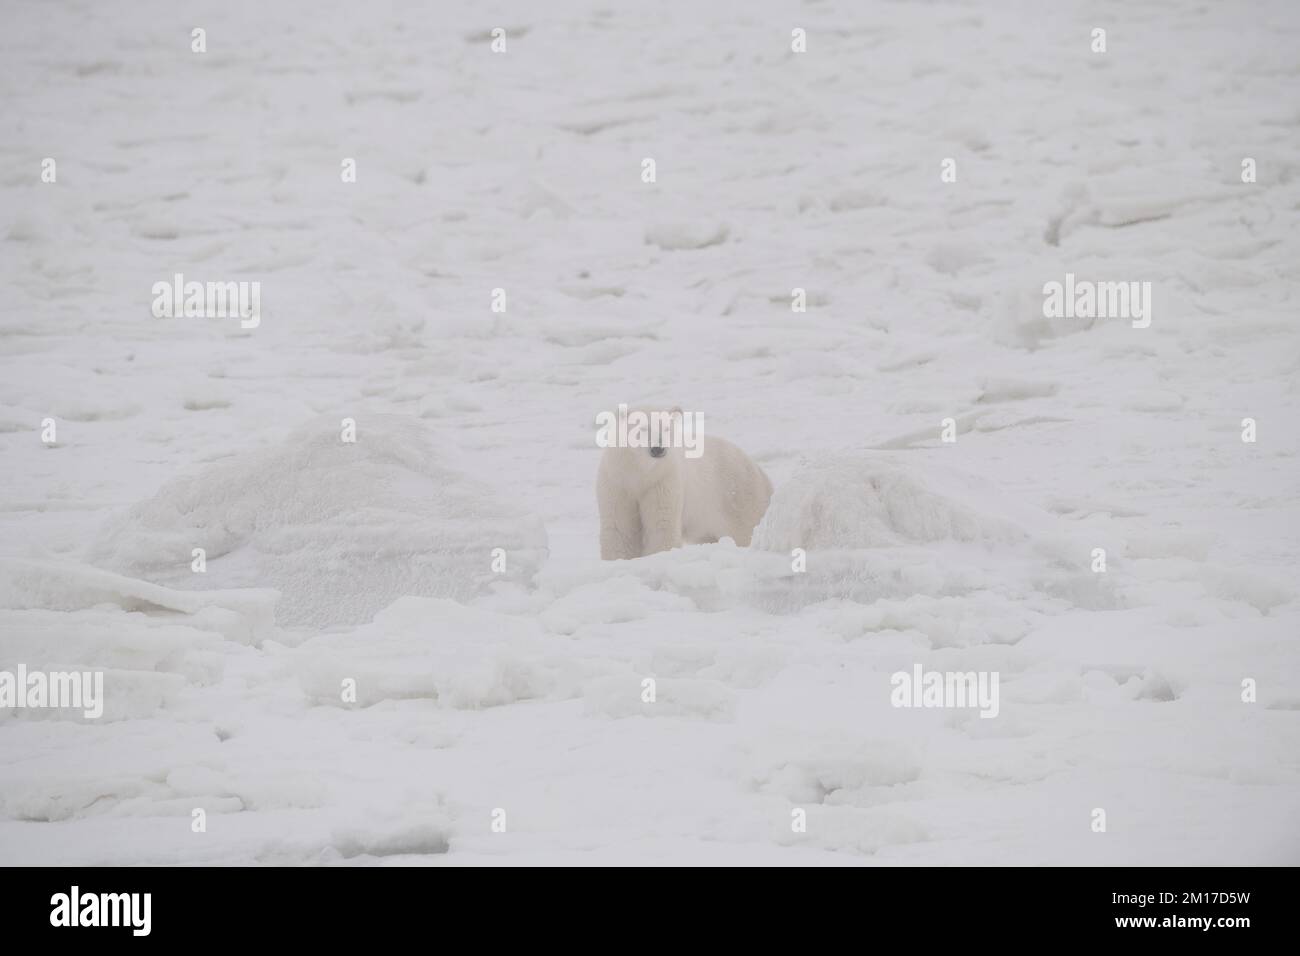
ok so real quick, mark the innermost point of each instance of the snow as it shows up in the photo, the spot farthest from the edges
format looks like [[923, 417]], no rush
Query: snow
[[523, 690], [341, 528], [873, 503]]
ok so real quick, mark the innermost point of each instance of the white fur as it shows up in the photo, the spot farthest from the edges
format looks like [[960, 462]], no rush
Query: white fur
[[652, 504]]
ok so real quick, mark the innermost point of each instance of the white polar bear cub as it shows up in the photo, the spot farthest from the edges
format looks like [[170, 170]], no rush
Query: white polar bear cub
[[657, 498]]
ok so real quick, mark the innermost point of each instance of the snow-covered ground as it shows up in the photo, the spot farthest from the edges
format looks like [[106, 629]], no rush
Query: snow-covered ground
[[522, 690]]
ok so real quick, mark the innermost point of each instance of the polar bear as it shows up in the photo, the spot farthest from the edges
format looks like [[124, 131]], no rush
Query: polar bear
[[658, 497]]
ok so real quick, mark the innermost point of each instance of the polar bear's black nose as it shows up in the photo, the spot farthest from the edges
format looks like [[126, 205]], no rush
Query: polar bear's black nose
[[658, 451]]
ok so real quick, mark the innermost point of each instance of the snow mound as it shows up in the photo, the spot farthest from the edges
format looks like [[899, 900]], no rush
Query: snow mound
[[877, 501], [417, 838], [876, 526], [681, 236], [341, 529]]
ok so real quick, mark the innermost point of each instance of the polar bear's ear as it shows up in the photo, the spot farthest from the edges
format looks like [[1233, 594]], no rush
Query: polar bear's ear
[[677, 410]]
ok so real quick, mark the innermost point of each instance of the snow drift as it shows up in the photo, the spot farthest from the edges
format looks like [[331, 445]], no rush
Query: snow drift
[[877, 526], [877, 500], [340, 529]]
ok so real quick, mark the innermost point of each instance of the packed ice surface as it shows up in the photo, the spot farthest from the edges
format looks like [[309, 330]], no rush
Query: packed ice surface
[[351, 680]]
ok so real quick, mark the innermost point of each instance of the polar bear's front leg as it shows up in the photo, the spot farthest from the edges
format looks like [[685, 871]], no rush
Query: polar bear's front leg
[[620, 524], [661, 517]]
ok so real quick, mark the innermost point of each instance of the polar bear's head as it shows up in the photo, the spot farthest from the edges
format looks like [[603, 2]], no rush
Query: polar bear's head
[[645, 439], [656, 432]]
